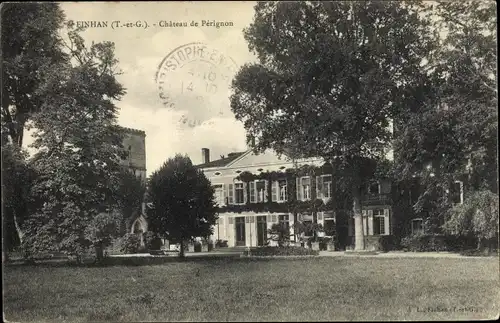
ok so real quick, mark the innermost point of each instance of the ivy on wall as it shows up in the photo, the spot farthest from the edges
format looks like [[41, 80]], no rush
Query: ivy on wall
[[341, 198], [292, 205]]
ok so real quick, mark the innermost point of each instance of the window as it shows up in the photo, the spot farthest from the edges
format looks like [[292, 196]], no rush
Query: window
[[258, 193], [324, 186], [378, 222], [417, 226], [414, 192], [308, 232], [457, 192], [279, 192], [219, 194], [304, 188], [261, 191], [239, 196], [374, 188], [329, 223], [285, 220]]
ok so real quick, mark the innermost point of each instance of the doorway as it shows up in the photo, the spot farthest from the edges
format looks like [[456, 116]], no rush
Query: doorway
[[261, 230], [240, 231]]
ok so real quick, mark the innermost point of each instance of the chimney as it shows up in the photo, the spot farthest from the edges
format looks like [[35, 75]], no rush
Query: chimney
[[205, 155]]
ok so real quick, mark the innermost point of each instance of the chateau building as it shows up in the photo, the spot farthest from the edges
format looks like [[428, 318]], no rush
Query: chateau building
[[255, 191]]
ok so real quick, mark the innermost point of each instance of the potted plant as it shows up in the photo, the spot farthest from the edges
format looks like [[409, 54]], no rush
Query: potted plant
[[204, 245], [330, 244]]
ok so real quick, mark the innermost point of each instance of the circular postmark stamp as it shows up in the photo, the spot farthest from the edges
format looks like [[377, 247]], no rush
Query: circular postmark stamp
[[195, 78]]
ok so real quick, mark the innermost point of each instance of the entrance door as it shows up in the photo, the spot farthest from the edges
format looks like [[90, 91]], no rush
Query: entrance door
[[240, 231], [261, 230]]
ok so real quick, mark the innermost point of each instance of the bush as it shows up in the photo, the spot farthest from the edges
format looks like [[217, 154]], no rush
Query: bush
[[221, 243], [282, 251], [130, 243], [152, 241], [425, 242]]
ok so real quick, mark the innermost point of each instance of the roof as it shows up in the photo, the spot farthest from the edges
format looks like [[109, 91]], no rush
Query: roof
[[223, 161], [133, 131]]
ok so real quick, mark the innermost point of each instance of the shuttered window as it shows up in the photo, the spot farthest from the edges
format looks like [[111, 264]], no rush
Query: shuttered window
[[230, 194]]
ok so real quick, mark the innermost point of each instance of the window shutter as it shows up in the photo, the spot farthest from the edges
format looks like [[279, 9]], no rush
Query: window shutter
[[365, 225], [299, 189], [221, 221], [319, 187], [252, 219], [370, 212], [266, 190], [363, 212], [247, 219], [230, 219], [252, 192], [230, 194], [273, 216], [269, 219], [274, 190], [387, 225], [245, 194]]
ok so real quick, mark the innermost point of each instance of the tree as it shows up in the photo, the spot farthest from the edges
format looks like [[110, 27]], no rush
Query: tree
[[183, 202], [454, 131], [31, 48], [478, 215], [17, 177], [78, 148], [330, 77], [101, 230]]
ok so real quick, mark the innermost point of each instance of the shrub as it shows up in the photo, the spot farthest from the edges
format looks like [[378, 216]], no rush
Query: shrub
[[279, 233], [424, 242], [282, 251], [221, 243], [130, 243], [152, 241]]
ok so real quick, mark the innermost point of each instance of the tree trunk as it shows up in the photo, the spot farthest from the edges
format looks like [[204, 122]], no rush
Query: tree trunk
[[181, 252], [20, 123], [479, 244], [359, 236], [18, 229], [99, 252]]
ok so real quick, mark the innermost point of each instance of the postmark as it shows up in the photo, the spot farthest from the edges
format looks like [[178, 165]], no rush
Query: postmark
[[195, 78]]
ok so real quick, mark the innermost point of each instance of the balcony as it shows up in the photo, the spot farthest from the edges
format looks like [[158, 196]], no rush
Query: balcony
[[378, 199]]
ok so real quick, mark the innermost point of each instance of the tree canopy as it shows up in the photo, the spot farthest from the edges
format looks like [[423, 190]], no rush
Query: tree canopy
[[31, 48], [453, 136], [330, 77], [183, 202], [78, 146]]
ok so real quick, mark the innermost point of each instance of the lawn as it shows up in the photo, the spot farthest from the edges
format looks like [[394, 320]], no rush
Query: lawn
[[226, 289]]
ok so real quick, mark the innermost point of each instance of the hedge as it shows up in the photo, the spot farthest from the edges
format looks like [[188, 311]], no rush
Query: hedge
[[282, 251]]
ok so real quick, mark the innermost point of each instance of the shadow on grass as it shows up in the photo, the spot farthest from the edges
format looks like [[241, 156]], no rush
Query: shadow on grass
[[139, 261]]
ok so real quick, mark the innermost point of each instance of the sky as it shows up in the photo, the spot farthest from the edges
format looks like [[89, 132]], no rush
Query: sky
[[140, 51]]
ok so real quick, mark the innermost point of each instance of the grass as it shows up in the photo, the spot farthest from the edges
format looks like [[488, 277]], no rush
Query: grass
[[228, 289]]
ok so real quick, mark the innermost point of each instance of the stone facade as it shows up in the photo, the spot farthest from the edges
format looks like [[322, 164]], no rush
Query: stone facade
[[134, 142]]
